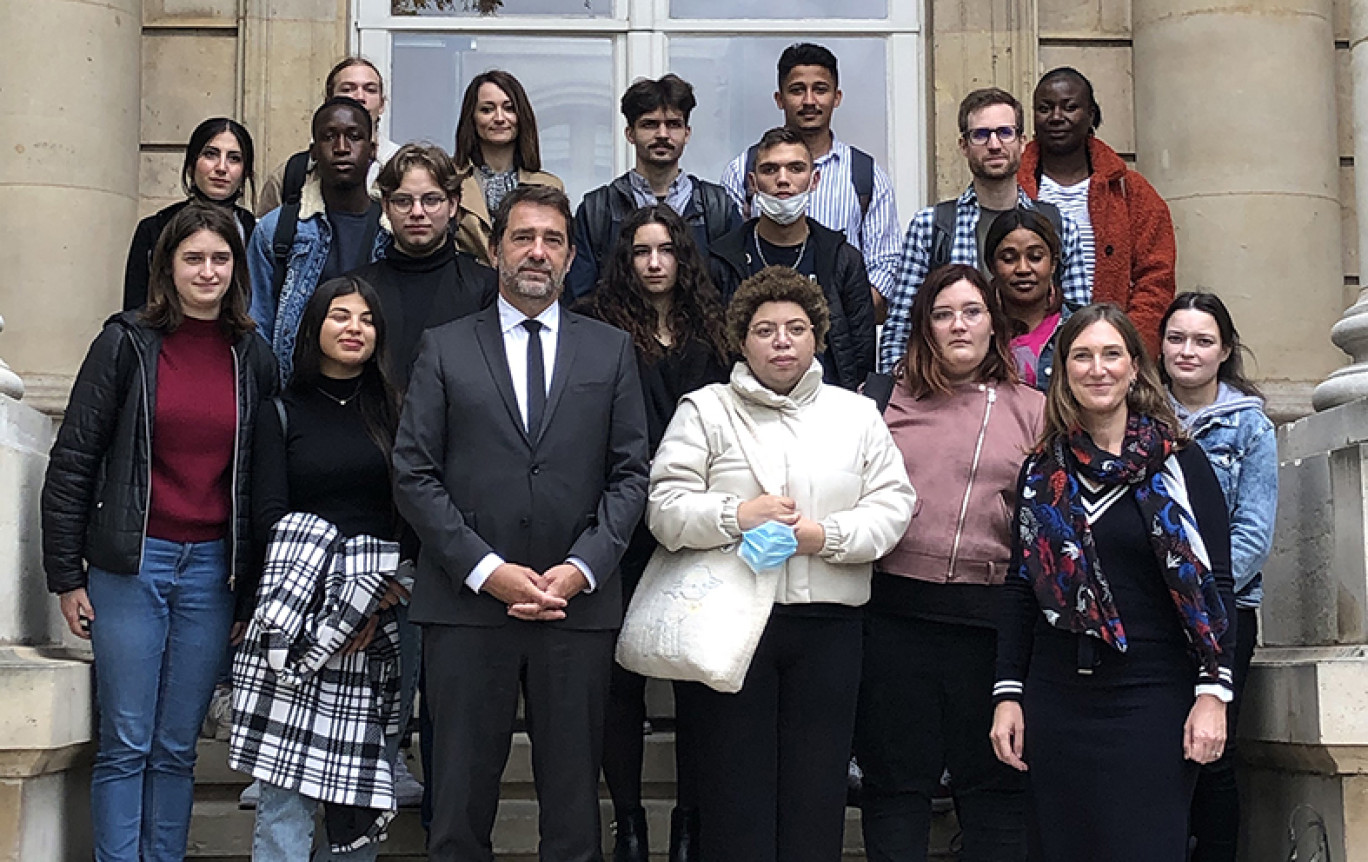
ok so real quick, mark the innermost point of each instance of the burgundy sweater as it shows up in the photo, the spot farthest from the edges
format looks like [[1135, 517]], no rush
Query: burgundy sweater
[[193, 435]]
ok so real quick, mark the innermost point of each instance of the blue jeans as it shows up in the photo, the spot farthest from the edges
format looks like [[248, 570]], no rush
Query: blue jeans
[[284, 827], [158, 639]]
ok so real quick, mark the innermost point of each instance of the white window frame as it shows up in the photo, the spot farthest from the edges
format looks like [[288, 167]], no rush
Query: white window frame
[[641, 30]]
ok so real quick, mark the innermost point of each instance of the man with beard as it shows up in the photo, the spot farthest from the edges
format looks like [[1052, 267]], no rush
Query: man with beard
[[338, 228], [991, 127], [422, 280], [783, 234], [520, 462], [657, 114]]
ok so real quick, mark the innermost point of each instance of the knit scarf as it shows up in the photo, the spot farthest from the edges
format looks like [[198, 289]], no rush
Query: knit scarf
[[1060, 560]]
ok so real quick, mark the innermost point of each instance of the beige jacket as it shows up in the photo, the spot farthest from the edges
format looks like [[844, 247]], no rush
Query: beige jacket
[[475, 225], [834, 456]]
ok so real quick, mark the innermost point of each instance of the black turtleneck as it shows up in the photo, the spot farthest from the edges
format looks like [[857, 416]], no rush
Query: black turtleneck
[[417, 293]]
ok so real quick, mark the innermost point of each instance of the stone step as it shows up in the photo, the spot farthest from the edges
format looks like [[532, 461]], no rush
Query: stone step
[[219, 830]]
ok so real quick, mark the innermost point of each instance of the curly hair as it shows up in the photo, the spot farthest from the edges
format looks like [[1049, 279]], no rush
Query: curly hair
[[695, 314], [1148, 396], [921, 367], [777, 284]]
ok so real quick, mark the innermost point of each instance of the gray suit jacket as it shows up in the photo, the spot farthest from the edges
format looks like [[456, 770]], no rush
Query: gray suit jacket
[[470, 480]]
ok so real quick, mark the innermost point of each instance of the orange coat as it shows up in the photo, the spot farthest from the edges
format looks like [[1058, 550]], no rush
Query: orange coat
[[1133, 237]]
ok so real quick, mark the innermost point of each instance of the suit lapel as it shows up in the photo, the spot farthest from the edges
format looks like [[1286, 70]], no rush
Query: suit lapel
[[565, 363], [490, 338]]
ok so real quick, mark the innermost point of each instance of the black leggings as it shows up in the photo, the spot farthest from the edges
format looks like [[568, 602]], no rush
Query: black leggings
[[926, 703], [624, 747], [1215, 819], [772, 758]]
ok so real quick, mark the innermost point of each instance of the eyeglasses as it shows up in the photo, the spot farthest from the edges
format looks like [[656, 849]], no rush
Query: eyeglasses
[[970, 314], [404, 203], [979, 137], [766, 331]]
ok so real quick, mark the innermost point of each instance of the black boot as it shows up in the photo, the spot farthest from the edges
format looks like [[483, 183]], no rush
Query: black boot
[[630, 844], [684, 835]]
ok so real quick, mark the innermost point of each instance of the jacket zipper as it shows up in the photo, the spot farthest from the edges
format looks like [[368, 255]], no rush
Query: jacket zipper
[[233, 488], [147, 434], [968, 488]]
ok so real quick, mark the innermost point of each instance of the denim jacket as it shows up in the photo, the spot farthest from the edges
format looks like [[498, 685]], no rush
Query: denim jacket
[[308, 256], [1242, 447]]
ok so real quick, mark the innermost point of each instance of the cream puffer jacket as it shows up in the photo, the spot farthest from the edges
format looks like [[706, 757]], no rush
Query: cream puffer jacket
[[833, 455]]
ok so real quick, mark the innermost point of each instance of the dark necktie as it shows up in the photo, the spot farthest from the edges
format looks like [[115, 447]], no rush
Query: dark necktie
[[536, 378]]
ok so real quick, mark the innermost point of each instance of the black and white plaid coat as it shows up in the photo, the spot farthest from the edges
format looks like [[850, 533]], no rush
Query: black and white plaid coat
[[304, 717]]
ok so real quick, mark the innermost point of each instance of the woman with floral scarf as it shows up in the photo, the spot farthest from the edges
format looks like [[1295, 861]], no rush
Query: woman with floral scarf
[[1115, 641]]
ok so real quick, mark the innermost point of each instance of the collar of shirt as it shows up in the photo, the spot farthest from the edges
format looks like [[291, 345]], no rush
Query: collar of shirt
[[838, 155], [676, 196], [511, 319], [970, 198]]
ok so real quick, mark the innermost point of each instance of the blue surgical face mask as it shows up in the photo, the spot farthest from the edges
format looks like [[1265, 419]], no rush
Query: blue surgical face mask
[[767, 546]]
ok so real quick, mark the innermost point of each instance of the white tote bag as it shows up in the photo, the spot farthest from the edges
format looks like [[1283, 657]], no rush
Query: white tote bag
[[698, 615]]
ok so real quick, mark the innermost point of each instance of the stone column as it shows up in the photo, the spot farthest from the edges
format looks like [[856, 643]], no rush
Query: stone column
[[986, 43], [69, 131], [1235, 121], [1351, 333]]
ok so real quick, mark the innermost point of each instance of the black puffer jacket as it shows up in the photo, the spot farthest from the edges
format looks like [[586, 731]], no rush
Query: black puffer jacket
[[99, 475], [840, 271]]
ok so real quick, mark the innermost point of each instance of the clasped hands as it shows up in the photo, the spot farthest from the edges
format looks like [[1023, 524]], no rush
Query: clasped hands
[[532, 596], [811, 535]]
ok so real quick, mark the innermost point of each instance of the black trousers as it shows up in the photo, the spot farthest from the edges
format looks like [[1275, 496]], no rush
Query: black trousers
[[474, 676], [772, 758], [1215, 819], [926, 704]]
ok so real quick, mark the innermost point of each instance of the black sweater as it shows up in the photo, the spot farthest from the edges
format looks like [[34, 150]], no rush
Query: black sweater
[[1138, 587], [417, 293]]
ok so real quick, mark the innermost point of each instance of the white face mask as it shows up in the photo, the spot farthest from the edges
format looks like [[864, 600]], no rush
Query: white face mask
[[783, 211]]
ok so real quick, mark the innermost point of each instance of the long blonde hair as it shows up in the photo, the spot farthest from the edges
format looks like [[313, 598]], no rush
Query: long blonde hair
[[1148, 396]]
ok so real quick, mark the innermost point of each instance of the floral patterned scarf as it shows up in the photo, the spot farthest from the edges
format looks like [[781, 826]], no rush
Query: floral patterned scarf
[[1057, 552]]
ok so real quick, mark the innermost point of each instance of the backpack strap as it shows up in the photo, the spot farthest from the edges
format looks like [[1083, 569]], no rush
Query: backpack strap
[[942, 233], [291, 191], [862, 177], [716, 207]]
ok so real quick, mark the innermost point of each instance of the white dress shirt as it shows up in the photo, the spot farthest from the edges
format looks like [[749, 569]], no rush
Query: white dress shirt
[[515, 337]]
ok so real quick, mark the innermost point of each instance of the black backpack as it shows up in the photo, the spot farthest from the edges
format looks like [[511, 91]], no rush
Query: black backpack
[[861, 177], [943, 230], [291, 189]]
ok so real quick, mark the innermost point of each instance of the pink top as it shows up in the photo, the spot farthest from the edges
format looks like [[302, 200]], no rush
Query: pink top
[[1026, 348]]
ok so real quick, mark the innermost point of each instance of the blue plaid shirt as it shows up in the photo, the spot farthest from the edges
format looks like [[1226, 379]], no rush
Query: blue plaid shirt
[[916, 260]]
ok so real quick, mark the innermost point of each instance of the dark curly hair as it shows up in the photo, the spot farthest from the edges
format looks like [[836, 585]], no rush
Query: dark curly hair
[[777, 284], [696, 313]]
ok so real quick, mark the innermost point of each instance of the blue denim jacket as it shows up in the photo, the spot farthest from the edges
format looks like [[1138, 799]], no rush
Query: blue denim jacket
[[308, 256], [1242, 447]]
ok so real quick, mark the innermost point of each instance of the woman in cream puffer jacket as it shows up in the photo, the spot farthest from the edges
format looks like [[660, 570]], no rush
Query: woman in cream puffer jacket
[[772, 757]]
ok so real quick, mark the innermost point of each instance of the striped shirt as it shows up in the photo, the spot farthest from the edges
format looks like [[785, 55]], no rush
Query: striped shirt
[[916, 260], [835, 205], [1073, 202]]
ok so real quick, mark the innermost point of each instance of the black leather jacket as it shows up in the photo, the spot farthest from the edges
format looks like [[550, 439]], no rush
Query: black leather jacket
[[99, 475], [840, 271]]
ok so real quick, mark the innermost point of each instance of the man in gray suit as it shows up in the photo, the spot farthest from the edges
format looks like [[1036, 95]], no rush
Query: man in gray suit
[[521, 462]]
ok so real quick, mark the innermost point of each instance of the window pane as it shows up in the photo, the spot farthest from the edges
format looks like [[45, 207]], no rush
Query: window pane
[[505, 8], [795, 9], [734, 81], [569, 81]]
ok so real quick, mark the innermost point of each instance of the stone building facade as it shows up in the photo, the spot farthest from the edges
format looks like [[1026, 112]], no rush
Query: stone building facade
[[1242, 114]]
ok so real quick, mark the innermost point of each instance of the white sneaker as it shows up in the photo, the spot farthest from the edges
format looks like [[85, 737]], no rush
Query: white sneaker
[[251, 795], [218, 721], [408, 792]]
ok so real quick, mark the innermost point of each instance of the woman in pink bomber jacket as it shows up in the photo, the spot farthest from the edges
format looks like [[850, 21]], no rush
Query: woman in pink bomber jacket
[[964, 424]]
